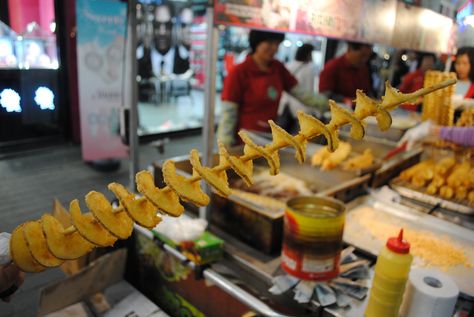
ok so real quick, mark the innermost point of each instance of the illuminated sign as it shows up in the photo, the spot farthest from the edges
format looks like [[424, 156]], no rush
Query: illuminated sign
[[10, 100], [464, 11], [44, 98]]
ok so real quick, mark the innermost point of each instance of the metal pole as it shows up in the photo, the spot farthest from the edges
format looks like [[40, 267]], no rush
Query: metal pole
[[449, 63], [209, 95], [133, 115]]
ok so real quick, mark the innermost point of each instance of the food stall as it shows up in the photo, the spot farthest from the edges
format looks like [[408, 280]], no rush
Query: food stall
[[250, 219], [235, 267]]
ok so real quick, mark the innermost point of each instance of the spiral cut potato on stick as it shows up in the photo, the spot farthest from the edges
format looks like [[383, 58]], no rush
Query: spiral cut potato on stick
[[36, 245]]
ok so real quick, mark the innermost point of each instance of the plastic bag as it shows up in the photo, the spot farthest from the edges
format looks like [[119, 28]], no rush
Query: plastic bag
[[5, 248], [181, 229]]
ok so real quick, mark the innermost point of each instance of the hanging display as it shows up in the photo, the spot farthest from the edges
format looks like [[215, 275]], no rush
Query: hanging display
[[368, 21]]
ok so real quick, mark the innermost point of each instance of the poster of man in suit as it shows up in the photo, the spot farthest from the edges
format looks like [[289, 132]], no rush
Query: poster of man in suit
[[164, 41]]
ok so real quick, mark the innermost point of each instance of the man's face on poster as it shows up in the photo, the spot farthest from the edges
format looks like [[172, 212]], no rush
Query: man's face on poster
[[163, 29], [186, 19]]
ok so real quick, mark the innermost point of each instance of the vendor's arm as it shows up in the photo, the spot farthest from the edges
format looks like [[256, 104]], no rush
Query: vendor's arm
[[232, 97], [318, 101], [306, 97], [228, 123], [460, 135]]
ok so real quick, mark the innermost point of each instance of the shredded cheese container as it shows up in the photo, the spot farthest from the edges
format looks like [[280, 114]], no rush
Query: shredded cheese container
[[312, 241], [391, 275]]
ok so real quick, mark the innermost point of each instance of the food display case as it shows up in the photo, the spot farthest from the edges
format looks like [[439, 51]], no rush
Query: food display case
[[32, 49]]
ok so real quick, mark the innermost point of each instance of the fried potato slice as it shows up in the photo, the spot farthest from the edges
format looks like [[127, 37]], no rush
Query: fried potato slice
[[365, 106], [119, 224], [393, 96], [20, 253], [63, 245], [141, 210], [216, 179], [340, 116], [311, 127], [89, 228], [243, 168], [272, 157], [37, 245], [186, 190], [166, 201], [282, 138]]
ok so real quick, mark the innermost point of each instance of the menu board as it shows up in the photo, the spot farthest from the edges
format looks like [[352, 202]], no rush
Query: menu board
[[369, 21]]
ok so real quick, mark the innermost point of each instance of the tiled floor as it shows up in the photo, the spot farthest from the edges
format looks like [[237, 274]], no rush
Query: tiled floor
[[28, 185]]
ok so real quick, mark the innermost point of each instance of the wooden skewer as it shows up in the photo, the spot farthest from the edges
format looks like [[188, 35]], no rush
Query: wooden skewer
[[300, 138]]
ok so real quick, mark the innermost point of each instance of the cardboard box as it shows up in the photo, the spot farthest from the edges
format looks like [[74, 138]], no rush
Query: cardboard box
[[97, 290]]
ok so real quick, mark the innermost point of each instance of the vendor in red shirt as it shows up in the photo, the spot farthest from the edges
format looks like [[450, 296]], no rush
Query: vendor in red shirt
[[252, 90], [343, 75], [413, 81]]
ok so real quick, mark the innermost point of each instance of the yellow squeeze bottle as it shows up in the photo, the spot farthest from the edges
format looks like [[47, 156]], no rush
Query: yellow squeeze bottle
[[391, 275]]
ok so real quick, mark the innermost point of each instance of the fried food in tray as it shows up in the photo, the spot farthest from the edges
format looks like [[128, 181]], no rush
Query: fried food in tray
[[444, 178], [362, 161], [73, 234], [328, 160], [267, 203], [281, 187], [343, 157]]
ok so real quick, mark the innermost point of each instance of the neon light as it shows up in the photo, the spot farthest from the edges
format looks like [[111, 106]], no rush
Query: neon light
[[10, 100], [44, 98], [464, 11], [469, 20]]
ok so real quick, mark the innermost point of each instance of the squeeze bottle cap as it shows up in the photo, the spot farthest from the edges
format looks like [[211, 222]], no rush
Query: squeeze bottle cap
[[398, 244]]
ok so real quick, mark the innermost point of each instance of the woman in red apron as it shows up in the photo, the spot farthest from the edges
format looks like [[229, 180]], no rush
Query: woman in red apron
[[253, 89]]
